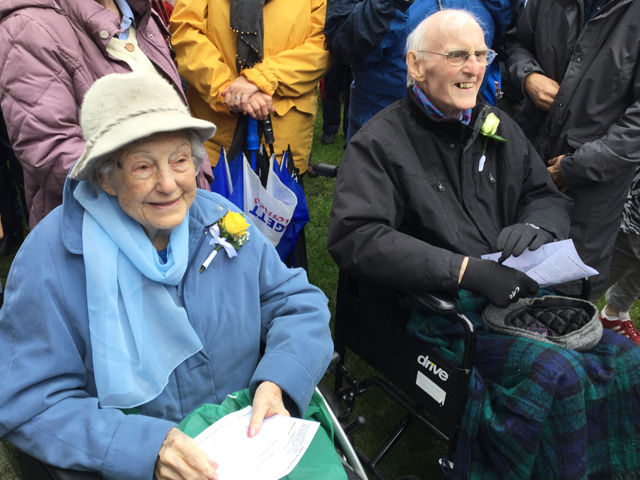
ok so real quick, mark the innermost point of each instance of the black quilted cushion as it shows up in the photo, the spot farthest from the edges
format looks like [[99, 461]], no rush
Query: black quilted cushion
[[556, 319]]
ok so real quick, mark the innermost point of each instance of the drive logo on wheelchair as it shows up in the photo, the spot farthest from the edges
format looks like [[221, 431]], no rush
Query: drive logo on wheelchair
[[428, 385], [432, 367]]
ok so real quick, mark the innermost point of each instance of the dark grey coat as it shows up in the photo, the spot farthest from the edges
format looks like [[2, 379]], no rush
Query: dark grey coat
[[596, 114], [410, 202]]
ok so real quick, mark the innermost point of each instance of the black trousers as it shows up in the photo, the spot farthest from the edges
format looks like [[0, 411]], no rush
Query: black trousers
[[11, 183], [336, 85]]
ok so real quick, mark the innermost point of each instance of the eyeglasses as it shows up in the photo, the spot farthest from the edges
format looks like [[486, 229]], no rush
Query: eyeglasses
[[457, 58]]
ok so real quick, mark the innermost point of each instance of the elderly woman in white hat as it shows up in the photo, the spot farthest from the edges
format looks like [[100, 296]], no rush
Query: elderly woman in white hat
[[117, 301]]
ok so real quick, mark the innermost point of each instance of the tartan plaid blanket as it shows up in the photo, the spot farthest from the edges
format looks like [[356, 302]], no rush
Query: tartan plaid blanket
[[537, 410]]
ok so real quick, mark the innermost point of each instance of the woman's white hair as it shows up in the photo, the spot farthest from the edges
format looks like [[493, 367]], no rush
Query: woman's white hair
[[424, 36], [105, 165]]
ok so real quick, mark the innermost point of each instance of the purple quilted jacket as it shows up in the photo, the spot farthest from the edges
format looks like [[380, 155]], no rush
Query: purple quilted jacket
[[51, 52]]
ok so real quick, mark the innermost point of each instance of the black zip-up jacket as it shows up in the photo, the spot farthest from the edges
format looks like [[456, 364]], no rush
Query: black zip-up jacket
[[596, 114], [410, 202]]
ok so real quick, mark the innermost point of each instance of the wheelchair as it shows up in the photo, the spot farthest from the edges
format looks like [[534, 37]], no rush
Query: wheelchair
[[33, 469], [429, 389], [436, 387]]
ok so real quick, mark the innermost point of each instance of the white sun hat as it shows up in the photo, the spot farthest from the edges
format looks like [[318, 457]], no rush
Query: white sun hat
[[122, 108]]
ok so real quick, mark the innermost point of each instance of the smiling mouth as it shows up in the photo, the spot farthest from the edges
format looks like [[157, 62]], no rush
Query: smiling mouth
[[165, 204], [465, 86]]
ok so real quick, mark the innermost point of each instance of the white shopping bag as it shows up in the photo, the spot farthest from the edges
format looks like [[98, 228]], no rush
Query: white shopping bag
[[270, 209]]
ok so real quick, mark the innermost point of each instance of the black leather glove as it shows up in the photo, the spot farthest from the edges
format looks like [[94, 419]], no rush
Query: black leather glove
[[499, 284], [515, 239]]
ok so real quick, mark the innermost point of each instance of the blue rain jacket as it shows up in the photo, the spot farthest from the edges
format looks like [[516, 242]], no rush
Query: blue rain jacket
[[48, 404], [371, 36]]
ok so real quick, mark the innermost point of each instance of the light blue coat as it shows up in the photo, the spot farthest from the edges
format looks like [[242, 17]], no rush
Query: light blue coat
[[48, 404]]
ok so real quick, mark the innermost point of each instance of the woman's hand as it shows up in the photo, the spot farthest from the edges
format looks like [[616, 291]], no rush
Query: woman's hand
[[258, 106], [237, 94], [266, 402], [181, 458]]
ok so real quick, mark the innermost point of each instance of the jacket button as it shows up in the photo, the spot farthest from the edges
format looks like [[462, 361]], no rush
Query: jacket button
[[579, 59], [151, 35], [104, 34], [560, 104], [452, 146], [528, 69], [130, 47]]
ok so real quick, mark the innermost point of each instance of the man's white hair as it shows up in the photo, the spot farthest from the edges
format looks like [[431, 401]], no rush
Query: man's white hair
[[436, 25]]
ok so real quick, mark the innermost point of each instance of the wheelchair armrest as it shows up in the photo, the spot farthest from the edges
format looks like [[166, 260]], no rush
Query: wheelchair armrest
[[444, 304], [438, 302], [325, 170]]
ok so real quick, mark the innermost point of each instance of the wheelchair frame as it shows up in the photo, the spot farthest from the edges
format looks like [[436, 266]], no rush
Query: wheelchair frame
[[434, 384]]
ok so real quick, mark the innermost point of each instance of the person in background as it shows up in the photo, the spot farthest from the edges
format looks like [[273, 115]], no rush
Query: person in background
[[336, 93], [370, 35], [577, 66], [625, 269], [51, 52], [253, 57]]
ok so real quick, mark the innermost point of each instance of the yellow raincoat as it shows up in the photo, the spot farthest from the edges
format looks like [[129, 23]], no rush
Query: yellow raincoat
[[295, 59]]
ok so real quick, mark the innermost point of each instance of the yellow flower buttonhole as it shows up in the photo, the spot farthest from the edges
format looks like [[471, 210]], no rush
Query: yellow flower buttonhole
[[234, 223], [490, 126]]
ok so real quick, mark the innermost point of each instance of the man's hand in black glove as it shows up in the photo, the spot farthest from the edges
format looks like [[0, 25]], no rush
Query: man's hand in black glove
[[515, 239], [499, 284]]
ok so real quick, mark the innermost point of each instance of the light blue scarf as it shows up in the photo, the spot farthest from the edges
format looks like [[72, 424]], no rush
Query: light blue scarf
[[138, 333]]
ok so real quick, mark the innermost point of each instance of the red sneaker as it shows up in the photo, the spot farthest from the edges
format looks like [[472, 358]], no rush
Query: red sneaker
[[623, 327]]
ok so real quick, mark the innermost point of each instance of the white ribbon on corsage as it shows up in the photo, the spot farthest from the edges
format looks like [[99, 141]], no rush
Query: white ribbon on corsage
[[219, 242]]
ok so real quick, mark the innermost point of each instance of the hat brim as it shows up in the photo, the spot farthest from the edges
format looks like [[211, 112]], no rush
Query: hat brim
[[137, 128]]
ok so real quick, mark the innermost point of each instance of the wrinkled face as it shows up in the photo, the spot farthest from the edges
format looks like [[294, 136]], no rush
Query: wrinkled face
[[155, 183], [453, 89]]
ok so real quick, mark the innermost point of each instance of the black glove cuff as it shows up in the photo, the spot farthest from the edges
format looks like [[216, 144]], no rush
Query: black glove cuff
[[476, 275]]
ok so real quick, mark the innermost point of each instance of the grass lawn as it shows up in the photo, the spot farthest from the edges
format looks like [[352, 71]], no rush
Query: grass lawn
[[418, 451]]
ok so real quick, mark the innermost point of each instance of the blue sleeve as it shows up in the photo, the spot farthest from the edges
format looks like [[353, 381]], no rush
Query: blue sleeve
[[500, 11], [45, 408], [295, 328], [355, 28]]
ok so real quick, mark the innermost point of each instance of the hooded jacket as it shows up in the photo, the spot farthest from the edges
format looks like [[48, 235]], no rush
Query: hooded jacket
[[413, 197], [295, 60], [48, 398], [595, 117], [51, 52]]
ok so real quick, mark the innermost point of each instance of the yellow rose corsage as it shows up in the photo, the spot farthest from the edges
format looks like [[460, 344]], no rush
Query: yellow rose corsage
[[230, 233]]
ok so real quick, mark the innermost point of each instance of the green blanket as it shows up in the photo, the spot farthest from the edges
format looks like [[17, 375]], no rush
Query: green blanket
[[320, 461]]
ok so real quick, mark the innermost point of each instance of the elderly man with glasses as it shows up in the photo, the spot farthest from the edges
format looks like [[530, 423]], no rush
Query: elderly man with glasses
[[435, 180], [425, 188]]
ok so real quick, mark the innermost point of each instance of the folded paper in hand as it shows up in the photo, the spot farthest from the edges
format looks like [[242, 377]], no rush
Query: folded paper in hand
[[270, 455], [551, 264]]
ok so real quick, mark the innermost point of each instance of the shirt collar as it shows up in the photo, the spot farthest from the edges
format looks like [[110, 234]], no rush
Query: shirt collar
[[433, 112], [127, 18]]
